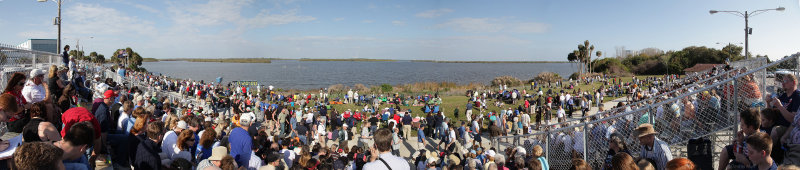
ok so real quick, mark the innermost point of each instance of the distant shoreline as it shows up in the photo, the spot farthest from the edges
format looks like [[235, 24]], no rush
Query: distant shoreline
[[342, 59], [439, 61], [269, 60], [218, 60]]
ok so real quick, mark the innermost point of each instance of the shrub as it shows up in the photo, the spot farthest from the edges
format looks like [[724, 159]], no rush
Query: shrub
[[386, 88], [547, 77], [506, 80]]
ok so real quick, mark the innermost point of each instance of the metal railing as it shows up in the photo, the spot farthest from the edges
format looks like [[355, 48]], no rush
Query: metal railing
[[17, 59], [690, 81], [705, 109]]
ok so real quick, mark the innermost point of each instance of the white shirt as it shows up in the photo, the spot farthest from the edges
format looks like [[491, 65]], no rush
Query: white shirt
[[122, 119], [254, 163], [560, 112], [33, 93], [393, 161], [167, 144], [526, 119]]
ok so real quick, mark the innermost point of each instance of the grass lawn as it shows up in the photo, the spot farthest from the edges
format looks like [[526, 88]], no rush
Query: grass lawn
[[450, 102]]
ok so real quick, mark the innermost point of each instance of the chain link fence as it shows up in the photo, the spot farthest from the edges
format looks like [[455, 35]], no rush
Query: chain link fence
[[676, 86], [705, 105], [17, 59]]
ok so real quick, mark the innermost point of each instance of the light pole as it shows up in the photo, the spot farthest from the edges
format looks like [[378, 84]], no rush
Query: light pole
[[747, 29], [57, 22]]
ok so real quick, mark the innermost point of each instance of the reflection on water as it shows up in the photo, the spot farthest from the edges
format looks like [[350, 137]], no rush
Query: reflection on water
[[293, 74]]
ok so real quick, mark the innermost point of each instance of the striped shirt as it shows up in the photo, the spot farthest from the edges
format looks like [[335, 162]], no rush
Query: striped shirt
[[660, 153]]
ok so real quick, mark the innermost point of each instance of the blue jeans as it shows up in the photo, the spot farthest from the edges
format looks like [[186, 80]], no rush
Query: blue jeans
[[303, 139]]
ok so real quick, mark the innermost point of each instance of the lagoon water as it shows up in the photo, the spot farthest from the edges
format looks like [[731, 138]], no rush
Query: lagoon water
[[294, 74]]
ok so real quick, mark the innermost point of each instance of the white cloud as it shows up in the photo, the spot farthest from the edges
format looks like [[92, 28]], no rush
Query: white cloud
[[96, 19], [264, 18], [37, 34], [493, 25], [222, 12], [324, 38], [338, 19], [434, 13], [367, 21], [146, 8], [138, 6], [399, 23]]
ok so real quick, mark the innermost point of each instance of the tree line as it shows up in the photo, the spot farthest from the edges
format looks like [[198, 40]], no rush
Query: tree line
[[126, 57], [670, 62]]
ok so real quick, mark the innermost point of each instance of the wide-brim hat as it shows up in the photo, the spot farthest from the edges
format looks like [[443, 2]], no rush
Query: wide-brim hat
[[218, 153], [644, 130]]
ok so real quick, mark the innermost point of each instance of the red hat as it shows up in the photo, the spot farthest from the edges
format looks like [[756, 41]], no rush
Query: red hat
[[76, 115], [109, 94]]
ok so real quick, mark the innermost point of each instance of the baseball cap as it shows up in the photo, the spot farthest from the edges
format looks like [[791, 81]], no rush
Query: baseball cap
[[182, 124], [246, 119], [36, 72], [109, 94]]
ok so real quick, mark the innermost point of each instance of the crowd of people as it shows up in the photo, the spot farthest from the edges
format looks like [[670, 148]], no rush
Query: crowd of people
[[145, 121]]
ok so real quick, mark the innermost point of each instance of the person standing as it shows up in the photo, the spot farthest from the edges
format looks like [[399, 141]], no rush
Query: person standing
[[407, 125], [241, 142], [65, 56], [382, 158], [652, 147]]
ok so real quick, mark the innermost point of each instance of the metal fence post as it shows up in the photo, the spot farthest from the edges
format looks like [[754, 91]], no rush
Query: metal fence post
[[547, 145], [33, 61], [650, 114], [735, 102], [585, 141]]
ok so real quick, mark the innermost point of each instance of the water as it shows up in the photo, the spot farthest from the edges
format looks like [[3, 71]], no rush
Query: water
[[294, 74]]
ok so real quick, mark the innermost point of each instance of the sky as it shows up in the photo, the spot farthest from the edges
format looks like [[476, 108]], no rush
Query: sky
[[502, 30]]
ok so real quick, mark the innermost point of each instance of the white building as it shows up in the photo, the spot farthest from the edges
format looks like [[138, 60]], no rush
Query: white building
[[47, 45]]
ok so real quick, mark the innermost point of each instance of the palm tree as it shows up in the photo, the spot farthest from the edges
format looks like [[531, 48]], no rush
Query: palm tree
[[598, 54], [573, 56], [581, 52]]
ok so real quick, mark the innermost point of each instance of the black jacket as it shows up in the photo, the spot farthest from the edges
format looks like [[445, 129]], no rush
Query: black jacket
[[147, 156]]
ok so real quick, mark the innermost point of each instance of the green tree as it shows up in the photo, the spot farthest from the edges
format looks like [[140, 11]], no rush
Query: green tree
[[386, 88], [93, 56], [101, 58], [732, 52], [582, 55]]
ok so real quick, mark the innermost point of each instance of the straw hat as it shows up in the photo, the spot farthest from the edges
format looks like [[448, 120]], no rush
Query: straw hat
[[644, 130], [454, 158], [217, 153]]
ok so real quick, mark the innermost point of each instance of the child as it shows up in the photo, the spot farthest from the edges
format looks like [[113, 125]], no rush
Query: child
[[759, 146]]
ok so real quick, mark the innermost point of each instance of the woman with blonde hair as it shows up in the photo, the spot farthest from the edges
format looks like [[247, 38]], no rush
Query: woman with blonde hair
[[54, 84]]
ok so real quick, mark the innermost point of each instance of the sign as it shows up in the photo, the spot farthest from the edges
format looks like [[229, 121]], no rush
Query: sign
[[249, 83]]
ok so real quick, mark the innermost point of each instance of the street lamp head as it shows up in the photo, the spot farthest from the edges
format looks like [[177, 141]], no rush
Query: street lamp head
[[712, 11], [780, 9], [41, 0]]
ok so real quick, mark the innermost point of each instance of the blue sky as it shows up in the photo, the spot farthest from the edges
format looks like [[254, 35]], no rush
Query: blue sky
[[409, 29]]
